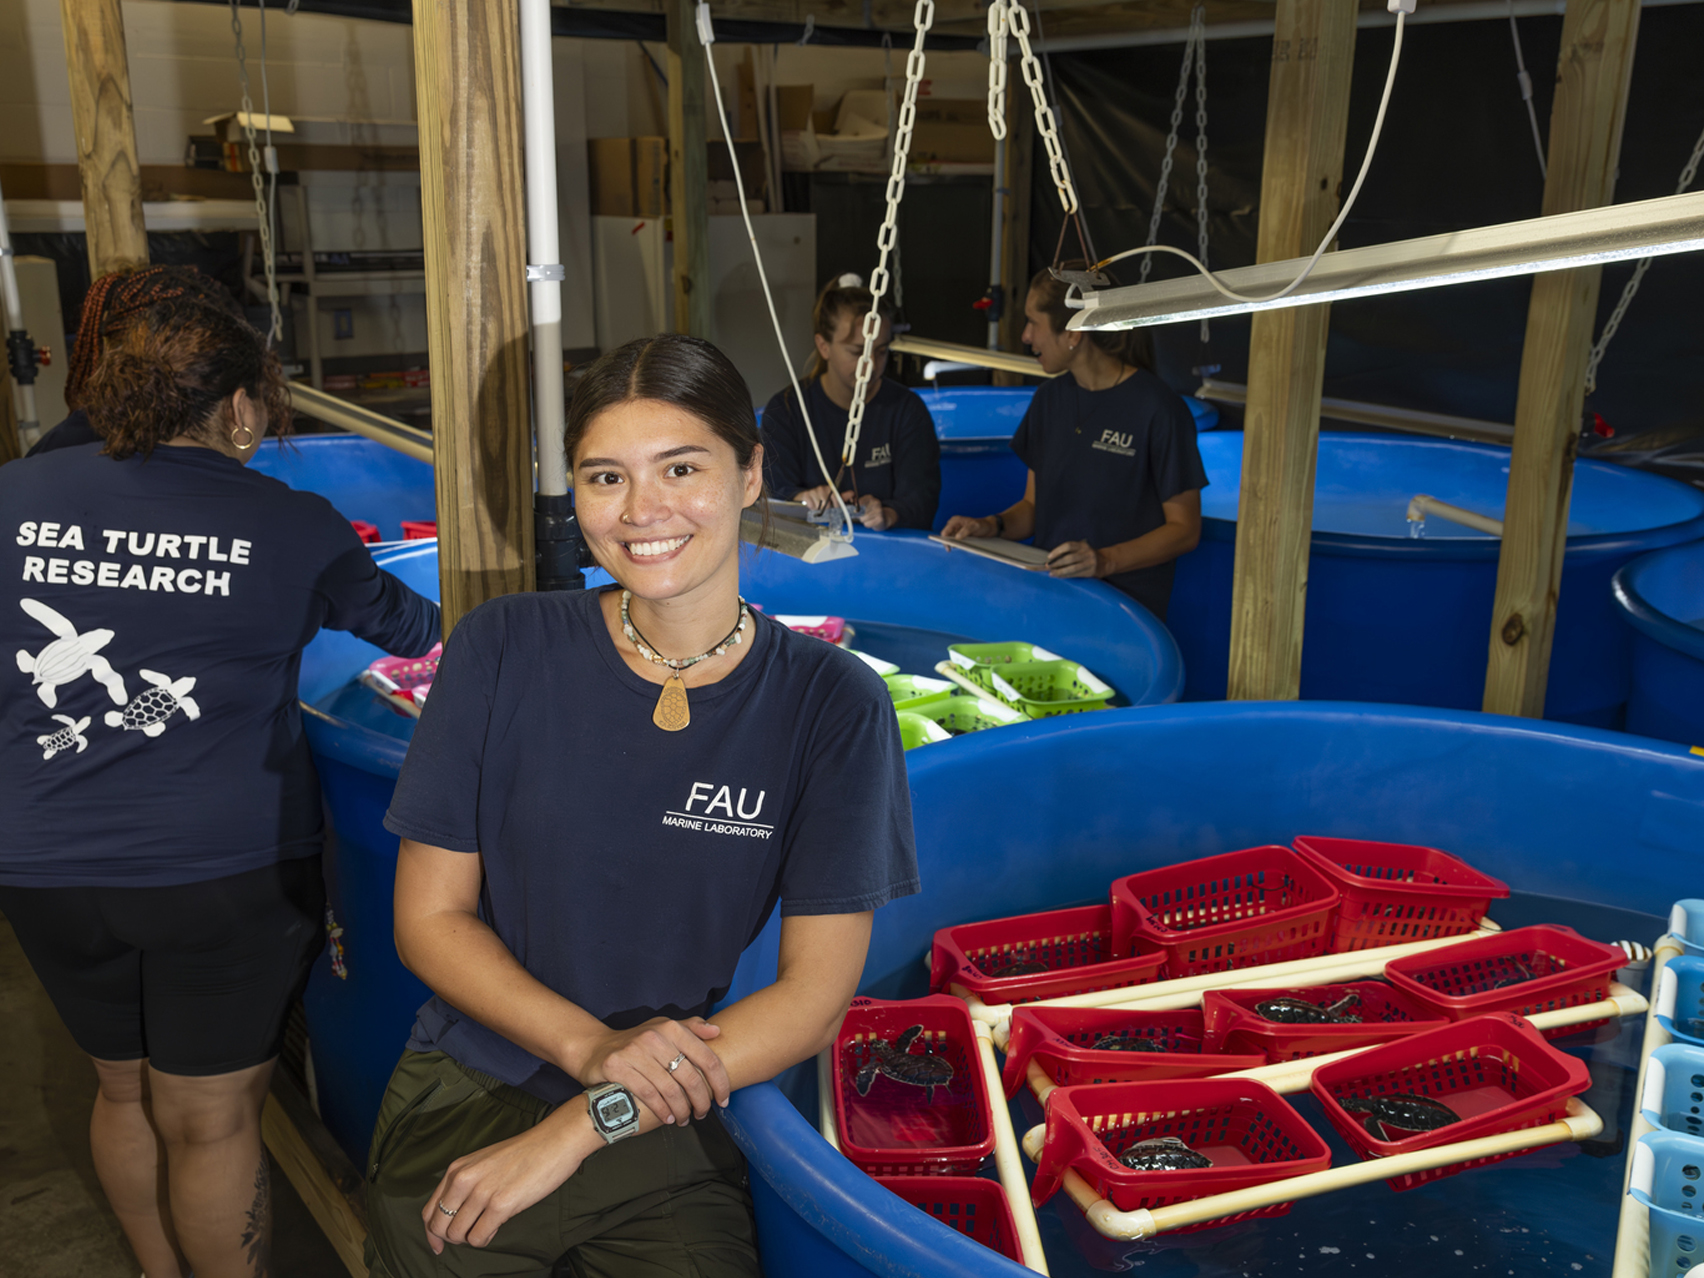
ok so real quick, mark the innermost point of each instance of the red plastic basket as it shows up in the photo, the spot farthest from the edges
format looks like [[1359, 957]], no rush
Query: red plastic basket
[[1061, 1041], [976, 1208], [1532, 969], [1394, 893], [1497, 1072], [1232, 1024], [410, 675], [1238, 909], [899, 1128], [1073, 948], [419, 529], [1249, 1132], [368, 533]]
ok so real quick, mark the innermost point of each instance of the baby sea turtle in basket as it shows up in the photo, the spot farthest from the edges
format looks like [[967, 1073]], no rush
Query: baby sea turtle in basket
[[1019, 967], [1125, 1043], [1404, 1111], [1515, 972], [925, 1070], [1294, 1011], [1163, 1153]]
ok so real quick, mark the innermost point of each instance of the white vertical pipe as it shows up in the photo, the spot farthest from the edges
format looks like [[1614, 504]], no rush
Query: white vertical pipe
[[538, 108], [27, 422]]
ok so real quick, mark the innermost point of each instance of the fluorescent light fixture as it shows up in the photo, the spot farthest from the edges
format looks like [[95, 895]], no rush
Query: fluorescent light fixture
[[809, 542], [1616, 233]]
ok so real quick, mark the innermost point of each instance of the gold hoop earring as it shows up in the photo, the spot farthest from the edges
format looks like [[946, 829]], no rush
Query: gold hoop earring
[[247, 443]]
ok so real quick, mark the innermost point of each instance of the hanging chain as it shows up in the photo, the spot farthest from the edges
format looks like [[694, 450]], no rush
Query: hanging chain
[[999, 27], [1620, 311], [1018, 21], [923, 18], [1200, 17], [276, 329], [1197, 25]]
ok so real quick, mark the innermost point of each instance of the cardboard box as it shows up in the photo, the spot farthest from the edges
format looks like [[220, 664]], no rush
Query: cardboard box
[[628, 176], [952, 131], [793, 103]]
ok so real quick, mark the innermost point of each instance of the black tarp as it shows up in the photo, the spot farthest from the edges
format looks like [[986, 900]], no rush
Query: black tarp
[[1457, 152]]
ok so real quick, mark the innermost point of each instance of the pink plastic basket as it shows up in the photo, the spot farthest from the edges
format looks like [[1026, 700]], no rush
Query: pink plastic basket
[[1233, 1025], [1061, 1041], [411, 676], [831, 629], [1394, 893], [1070, 950]]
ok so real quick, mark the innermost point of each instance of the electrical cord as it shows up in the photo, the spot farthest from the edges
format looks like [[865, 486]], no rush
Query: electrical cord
[[1348, 204], [707, 37], [1525, 81]]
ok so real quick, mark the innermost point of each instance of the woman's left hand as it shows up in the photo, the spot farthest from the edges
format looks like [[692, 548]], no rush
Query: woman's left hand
[[494, 1184], [875, 516], [1074, 559]]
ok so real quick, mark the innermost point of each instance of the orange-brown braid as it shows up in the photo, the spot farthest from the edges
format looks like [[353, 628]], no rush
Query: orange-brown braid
[[116, 299]]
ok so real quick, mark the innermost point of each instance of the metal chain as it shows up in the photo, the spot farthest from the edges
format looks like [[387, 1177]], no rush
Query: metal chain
[[1198, 17], [1018, 21], [999, 27], [276, 330], [1620, 311], [923, 18], [1161, 187]]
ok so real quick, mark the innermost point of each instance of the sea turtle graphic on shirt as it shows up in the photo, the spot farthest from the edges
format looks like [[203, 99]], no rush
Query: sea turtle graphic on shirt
[[71, 734], [152, 706], [68, 657]]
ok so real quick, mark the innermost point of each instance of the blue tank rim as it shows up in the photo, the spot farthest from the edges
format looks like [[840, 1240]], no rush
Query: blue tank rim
[[1646, 617]]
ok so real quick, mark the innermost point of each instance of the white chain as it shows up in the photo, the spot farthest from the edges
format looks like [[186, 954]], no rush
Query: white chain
[[1192, 46], [923, 18], [1018, 20], [1620, 311], [999, 26], [276, 331]]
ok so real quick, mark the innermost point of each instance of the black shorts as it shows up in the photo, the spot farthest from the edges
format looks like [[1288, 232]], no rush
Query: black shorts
[[198, 978]]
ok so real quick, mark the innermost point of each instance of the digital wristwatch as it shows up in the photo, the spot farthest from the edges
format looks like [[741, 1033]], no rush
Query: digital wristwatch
[[614, 1112]]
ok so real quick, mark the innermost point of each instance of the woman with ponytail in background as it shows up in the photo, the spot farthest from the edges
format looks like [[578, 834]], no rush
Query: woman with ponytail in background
[[160, 862], [895, 478], [1115, 476]]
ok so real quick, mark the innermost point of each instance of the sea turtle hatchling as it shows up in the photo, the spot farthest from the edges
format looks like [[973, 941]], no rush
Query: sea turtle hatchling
[[1404, 1111], [898, 1062], [70, 735], [1125, 1043], [1163, 1153], [1019, 967], [148, 713], [1294, 1011]]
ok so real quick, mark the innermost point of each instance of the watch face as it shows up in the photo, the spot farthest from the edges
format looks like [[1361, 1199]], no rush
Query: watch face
[[615, 1110]]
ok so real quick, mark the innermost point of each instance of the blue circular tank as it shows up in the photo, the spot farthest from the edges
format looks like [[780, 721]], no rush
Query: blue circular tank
[[914, 597], [1395, 618], [1661, 598], [361, 477]]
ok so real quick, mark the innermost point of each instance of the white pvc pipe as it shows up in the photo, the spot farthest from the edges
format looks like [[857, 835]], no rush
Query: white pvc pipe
[[14, 307], [1421, 505], [544, 253]]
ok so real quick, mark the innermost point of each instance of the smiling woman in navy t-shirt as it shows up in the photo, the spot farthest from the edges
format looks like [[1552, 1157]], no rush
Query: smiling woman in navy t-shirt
[[607, 796]]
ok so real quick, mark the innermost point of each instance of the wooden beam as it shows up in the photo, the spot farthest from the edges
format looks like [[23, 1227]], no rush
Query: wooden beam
[[1015, 225], [689, 197], [99, 73], [467, 75], [1586, 117], [1307, 118], [338, 1221]]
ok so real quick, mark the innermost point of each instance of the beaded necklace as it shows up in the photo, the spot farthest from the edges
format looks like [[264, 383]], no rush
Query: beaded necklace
[[672, 713]]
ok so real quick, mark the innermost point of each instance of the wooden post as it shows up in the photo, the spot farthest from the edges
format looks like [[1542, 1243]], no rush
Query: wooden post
[[1598, 38], [1015, 225], [468, 82], [106, 134], [689, 157], [1307, 117]]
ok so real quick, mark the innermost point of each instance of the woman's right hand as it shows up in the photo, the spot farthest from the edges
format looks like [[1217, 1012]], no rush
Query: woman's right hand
[[639, 1058], [962, 526]]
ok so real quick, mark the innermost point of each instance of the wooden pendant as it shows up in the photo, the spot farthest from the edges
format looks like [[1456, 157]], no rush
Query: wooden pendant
[[671, 714]]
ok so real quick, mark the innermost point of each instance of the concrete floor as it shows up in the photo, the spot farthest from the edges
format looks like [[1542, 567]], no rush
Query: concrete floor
[[54, 1220]]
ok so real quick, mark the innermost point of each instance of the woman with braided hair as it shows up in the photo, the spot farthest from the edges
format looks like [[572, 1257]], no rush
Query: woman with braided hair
[[160, 858], [113, 303]]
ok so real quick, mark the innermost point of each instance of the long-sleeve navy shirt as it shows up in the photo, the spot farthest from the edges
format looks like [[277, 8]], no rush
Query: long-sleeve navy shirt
[[898, 460], [153, 614]]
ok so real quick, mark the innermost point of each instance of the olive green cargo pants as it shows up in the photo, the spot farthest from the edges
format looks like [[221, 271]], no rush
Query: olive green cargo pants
[[672, 1203]]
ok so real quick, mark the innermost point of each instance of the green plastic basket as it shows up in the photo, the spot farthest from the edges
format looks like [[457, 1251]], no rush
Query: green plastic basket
[[910, 691], [961, 713], [978, 660], [915, 730], [1044, 688]]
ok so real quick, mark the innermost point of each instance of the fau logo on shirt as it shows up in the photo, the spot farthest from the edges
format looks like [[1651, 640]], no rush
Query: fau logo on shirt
[[716, 809], [880, 455], [1112, 441]]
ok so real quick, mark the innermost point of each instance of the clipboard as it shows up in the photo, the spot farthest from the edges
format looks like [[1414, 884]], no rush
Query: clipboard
[[1014, 554]]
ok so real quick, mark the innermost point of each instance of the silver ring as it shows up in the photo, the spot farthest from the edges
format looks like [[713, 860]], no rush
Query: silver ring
[[448, 1211], [675, 1063]]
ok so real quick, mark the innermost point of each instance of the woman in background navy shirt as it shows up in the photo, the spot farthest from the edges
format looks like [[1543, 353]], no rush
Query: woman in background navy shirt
[[160, 862], [1115, 477]]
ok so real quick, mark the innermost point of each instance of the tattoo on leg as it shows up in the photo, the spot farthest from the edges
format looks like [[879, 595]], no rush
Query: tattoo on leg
[[256, 1236]]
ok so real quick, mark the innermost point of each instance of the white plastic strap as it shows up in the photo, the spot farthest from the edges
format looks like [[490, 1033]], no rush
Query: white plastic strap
[[1656, 1081], [1677, 920], [1668, 988], [1644, 1171]]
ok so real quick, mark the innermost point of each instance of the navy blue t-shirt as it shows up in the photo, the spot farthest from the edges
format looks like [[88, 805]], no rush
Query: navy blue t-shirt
[[899, 458], [152, 619], [75, 431], [626, 867], [1105, 463]]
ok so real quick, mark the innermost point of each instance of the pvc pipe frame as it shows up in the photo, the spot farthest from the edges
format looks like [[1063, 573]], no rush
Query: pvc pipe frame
[[1422, 505], [544, 253], [1006, 1161], [1633, 1233], [407, 440]]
